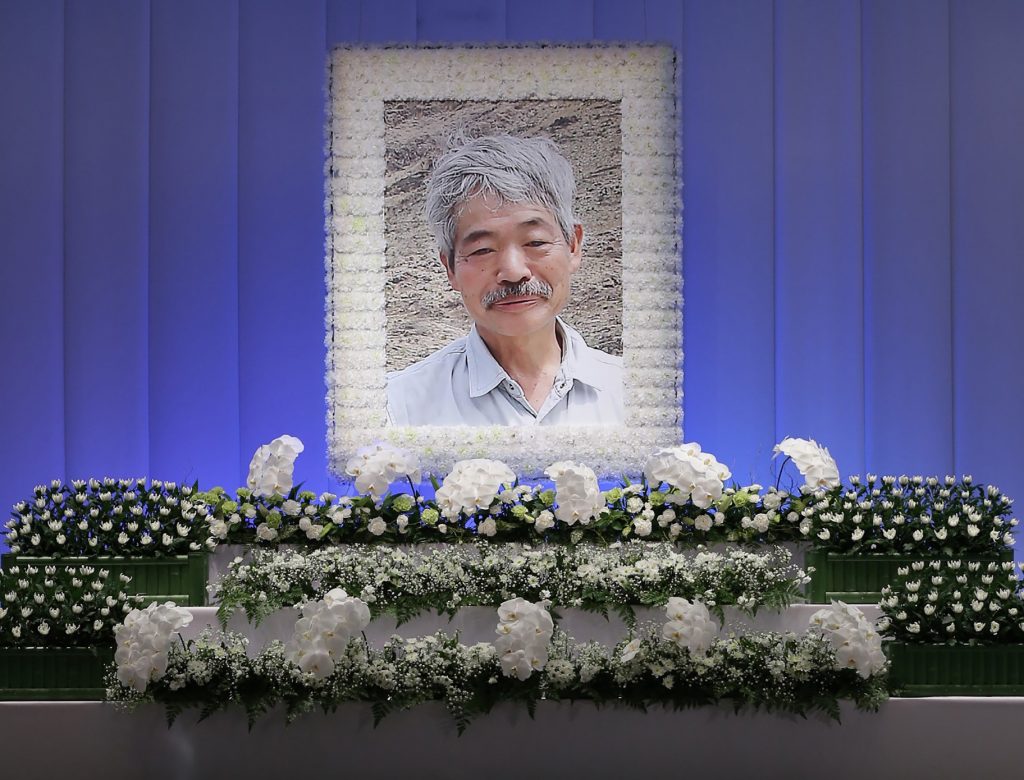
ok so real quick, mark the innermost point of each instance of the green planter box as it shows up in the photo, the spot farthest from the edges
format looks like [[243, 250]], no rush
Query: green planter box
[[956, 670], [177, 578], [858, 579], [53, 673]]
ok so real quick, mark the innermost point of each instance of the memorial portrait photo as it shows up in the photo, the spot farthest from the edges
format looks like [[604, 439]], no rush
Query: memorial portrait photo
[[486, 293], [502, 307]]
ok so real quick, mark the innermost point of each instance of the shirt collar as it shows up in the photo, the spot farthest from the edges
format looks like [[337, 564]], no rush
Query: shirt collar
[[485, 373]]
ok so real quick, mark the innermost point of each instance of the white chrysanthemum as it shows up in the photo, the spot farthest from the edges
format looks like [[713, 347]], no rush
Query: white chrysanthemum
[[472, 485], [578, 495], [697, 475], [273, 465], [813, 461]]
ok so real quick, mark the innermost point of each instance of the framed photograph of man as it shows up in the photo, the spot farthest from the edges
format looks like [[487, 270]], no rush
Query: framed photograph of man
[[503, 254]]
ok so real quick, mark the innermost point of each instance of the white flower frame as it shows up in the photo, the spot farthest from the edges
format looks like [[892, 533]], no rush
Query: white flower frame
[[644, 80]]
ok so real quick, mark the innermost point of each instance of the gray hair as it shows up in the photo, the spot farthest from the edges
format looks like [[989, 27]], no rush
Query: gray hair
[[515, 170]]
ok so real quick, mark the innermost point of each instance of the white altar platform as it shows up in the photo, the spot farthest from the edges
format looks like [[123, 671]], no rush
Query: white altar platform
[[934, 738]]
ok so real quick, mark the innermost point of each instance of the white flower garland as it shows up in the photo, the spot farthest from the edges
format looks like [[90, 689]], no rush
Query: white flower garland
[[644, 79]]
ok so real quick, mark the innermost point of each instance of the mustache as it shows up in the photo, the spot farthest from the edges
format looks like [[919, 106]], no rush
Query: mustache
[[519, 289]]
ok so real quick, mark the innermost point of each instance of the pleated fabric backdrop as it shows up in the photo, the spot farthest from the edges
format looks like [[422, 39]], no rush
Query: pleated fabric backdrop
[[853, 239]]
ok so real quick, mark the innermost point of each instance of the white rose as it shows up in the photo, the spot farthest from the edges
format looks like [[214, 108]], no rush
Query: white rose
[[642, 526], [377, 526]]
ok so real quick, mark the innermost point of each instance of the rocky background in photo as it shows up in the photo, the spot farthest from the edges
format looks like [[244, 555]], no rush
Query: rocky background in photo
[[423, 312]]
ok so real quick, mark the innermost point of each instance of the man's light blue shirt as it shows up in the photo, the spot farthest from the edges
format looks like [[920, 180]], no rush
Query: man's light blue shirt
[[462, 384]]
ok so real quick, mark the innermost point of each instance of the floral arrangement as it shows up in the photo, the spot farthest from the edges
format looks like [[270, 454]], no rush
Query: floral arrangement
[[689, 626], [517, 513], [144, 640], [324, 630], [904, 515], [272, 467], [856, 642], [814, 462], [529, 661], [108, 517], [524, 633], [406, 582], [955, 602], [643, 80], [682, 498], [51, 606]]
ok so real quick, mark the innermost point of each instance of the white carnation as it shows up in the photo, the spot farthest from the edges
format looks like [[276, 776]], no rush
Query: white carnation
[[545, 520], [265, 532], [488, 527]]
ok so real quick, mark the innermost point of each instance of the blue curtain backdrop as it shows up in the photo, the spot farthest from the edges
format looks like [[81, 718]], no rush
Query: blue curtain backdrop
[[853, 241]]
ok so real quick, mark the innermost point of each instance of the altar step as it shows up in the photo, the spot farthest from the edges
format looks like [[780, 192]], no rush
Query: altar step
[[476, 624]]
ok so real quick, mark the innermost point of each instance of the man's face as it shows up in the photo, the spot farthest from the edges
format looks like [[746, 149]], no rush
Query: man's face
[[519, 248]]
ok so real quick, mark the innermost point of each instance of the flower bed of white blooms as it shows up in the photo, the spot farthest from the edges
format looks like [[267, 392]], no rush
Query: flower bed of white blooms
[[407, 581], [51, 606], [684, 662], [108, 517], [682, 497], [955, 602]]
